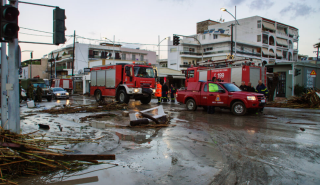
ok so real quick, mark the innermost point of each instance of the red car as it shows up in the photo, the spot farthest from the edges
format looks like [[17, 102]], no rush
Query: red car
[[228, 96]]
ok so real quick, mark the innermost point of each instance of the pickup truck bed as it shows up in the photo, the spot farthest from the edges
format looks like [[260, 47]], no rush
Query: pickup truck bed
[[227, 96]]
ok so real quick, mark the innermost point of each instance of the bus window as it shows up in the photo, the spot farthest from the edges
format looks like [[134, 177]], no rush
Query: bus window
[[191, 74]]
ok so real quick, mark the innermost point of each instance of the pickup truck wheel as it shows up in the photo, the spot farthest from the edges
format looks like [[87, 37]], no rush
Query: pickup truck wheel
[[98, 95], [239, 109], [191, 105], [146, 100], [123, 97]]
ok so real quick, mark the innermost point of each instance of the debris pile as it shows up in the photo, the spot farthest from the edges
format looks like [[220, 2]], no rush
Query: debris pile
[[311, 99], [25, 155], [81, 109]]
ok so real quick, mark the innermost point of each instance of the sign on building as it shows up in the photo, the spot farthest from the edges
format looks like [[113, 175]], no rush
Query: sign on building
[[313, 73]]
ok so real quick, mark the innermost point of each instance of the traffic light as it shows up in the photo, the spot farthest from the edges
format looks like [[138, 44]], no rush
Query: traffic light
[[176, 40], [9, 23], [59, 27], [297, 72]]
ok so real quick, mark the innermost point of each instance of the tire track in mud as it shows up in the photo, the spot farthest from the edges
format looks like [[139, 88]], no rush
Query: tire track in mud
[[250, 161]]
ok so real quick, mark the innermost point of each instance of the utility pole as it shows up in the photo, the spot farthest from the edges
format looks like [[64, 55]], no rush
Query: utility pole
[[231, 39], [74, 41], [113, 54], [235, 35], [4, 80], [31, 56], [159, 50], [13, 83]]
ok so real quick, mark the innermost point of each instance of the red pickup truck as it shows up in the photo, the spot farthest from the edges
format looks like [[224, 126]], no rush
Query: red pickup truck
[[227, 96]]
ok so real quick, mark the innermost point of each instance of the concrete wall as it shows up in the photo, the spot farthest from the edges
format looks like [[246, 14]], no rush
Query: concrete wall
[[36, 70], [81, 57]]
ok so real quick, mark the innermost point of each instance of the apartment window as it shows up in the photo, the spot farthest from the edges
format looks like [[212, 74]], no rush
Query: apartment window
[[258, 38], [259, 24], [191, 50], [95, 52], [141, 58], [123, 56], [173, 50], [215, 36], [242, 48], [203, 37], [133, 57], [252, 50]]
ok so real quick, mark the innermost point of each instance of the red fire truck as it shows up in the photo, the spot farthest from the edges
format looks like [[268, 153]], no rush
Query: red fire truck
[[123, 81], [63, 83], [237, 73]]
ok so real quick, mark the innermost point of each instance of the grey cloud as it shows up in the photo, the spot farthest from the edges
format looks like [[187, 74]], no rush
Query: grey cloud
[[297, 10], [261, 4], [236, 2]]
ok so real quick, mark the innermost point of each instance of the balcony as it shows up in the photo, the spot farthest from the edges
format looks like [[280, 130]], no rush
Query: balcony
[[60, 68], [190, 53], [185, 65]]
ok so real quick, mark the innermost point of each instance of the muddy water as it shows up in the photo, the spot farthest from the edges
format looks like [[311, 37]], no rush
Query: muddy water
[[200, 149]]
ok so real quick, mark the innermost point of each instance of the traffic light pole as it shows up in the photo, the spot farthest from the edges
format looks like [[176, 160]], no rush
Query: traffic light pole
[[4, 75], [13, 83]]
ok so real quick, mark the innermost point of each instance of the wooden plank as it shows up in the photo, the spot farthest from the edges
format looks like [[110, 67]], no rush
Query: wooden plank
[[11, 145], [81, 157]]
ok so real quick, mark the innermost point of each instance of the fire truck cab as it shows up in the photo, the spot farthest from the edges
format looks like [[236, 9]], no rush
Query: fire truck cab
[[123, 81]]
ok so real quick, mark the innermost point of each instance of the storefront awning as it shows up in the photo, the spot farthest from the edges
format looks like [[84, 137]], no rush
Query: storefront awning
[[269, 26], [265, 51], [279, 53], [271, 53], [282, 42]]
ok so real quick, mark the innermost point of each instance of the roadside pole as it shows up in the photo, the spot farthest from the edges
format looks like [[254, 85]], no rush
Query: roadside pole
[[13, 89], [4, 75], [293, 78]]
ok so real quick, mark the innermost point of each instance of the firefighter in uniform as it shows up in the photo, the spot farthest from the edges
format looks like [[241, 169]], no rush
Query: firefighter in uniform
[[212, 88], [262, 89], [165, 90], [158, 92], [39, 94], [173, 91], [30, 91]]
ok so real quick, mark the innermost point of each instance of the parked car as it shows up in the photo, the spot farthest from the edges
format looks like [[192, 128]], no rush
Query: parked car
[[58, 92], [228, 96]]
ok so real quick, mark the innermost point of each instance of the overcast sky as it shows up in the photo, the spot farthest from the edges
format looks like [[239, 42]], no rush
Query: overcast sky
[[141, 21]]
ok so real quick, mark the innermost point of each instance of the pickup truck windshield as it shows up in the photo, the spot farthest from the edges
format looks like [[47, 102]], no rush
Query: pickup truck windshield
[[231, 87], [143, 72]]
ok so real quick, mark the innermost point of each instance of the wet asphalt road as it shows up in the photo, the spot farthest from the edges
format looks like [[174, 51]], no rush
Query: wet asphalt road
[[197, 149]]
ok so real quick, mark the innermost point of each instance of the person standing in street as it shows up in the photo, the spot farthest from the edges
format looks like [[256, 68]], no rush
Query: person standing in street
[[250, 88], [39, 94], [262, 89], [173, 91], [212, 88], [30, 92], [158, 92], [165, 90], [243, 86]]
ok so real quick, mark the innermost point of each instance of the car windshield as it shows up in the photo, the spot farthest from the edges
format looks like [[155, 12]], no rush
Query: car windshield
[[143, 72], [42, 85], [58, 89], [231, 87]]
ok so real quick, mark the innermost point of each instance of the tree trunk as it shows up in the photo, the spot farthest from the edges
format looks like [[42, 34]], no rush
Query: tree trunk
[[274, 85]]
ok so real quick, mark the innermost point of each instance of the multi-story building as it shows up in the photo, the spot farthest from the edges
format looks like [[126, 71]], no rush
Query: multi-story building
[[87, 56], [34, 68], [257, 39]]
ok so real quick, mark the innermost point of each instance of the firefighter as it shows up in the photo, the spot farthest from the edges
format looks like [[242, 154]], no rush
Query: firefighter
[[262, 89], [30, 92], [158, 92], [173, 91], [39, 94], [243, 86], [212, 88], [165, 90], [250, 88]]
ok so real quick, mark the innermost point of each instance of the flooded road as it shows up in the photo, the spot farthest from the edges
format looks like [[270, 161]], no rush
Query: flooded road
[[199, 148]]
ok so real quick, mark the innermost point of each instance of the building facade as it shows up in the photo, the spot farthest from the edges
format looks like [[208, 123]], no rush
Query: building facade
[[34, 68], [260, 40]]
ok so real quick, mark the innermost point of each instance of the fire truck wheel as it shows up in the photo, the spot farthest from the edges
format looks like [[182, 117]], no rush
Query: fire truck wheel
[[146, 100], [98, 95], [191, 105], [123, 97], [238, 108]]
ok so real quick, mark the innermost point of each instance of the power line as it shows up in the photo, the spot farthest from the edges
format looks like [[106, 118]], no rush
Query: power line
[[37, 30], [35, 34]]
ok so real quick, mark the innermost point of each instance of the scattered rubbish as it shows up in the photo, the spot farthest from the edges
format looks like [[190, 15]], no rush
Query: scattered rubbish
[[311, 99], [97, 116], [302, 129], [125, 113], [30, 104], [160, 118], [25, 155], [42, 126], [83, 109]]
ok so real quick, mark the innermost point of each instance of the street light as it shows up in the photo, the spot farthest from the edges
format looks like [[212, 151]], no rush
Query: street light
[[31, 56], [159, 47], [235, 26], [113, 55]]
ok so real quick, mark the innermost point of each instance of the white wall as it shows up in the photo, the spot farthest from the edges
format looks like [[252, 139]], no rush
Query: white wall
[[81, 56]]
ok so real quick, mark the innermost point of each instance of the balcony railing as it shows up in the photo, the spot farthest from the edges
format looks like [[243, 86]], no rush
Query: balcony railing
[[189, 53], [185, 65], [61, 67]]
